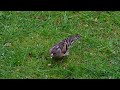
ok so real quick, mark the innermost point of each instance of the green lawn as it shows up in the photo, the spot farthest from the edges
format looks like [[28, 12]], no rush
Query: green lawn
[[26, 38]]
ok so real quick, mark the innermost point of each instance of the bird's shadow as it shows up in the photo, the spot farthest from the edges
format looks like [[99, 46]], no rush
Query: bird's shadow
[[59, 60]]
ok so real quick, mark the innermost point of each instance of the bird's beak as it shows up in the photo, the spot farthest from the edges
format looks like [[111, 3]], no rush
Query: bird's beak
[[51, 55]]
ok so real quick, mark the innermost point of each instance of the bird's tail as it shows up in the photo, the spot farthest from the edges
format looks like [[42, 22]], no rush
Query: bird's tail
[[70, 40], [76, 37]]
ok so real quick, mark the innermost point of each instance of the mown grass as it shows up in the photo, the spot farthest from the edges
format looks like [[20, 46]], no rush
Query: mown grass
[[27, 36]]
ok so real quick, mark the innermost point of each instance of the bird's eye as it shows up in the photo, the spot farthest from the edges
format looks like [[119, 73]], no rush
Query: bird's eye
[[54, 53]]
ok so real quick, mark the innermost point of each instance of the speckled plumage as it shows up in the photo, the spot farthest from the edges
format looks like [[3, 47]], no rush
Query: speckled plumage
[[62, 48]]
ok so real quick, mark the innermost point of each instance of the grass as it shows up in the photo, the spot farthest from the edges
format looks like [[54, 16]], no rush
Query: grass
[[27, 36]]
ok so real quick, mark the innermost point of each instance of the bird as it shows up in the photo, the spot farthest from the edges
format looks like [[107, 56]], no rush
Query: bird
[[61, 49]]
